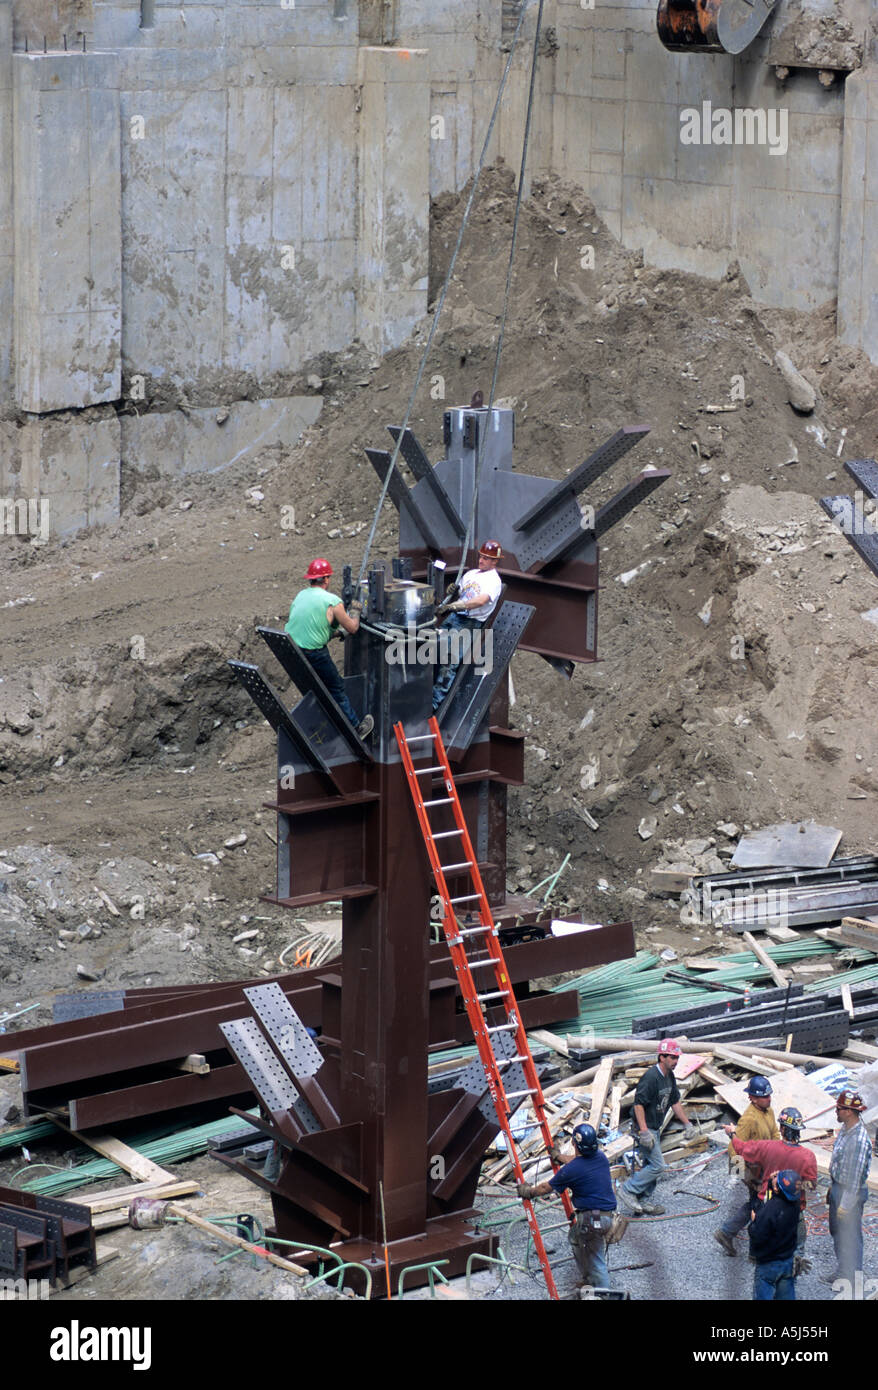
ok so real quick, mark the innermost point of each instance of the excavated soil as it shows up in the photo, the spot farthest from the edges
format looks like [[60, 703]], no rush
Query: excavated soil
[[738, 673]]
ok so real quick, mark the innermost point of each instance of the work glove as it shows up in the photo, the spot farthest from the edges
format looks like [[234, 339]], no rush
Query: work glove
[[459, 606], [524, 1190], [646, 1140], [555, 1154], [801, 1265], [356, 607], [691, 1130]]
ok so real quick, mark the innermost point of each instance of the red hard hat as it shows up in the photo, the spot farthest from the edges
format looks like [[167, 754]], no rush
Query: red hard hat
[[318, 569], [850, 1100], [492, 550], [669, 1047]]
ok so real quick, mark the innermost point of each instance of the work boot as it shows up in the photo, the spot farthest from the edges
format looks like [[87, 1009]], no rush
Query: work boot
[[365, 727], [726, 1242], [652, 1208], [631, 1204]]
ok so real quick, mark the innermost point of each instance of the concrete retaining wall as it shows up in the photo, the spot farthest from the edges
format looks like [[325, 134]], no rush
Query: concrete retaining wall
[[244, 183]]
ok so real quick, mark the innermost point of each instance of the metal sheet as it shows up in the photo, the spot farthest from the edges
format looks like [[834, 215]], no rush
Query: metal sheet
[[468, 704], [402, 499], [865, 474], [285, 1028], [792, 845], [87, 1004], [588, 472], [425, 473], [302, 673], [271, 1083], [273, 708]]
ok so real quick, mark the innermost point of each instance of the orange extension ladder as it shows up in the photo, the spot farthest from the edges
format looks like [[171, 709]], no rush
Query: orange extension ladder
[[477, 948]]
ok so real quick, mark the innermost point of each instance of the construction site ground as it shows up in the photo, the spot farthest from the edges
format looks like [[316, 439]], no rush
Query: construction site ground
[[736, 687]]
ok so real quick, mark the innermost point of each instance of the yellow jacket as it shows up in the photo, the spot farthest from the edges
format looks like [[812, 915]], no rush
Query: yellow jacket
[[753, 1124]]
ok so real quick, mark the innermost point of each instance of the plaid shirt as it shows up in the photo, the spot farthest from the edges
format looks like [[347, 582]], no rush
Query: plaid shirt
[[851, 1159]]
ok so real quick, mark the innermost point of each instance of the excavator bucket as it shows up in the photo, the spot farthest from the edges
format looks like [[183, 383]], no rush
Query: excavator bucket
[[711, 26]]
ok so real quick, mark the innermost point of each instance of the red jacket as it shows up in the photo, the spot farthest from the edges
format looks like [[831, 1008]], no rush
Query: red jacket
[[773, 1156]]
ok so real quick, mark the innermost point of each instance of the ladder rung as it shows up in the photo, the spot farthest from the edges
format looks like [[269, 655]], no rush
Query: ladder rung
[[498, 994], [443, 834], [467, 898], [513, 1095], [464, 864], [420, 771], [472, 931], [503, 1028], [474, 964], [440, 801], [420, 738], [508, 1061]]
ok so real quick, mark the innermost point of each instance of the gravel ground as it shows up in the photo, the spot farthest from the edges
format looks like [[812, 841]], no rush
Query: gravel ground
[[673, 1257]]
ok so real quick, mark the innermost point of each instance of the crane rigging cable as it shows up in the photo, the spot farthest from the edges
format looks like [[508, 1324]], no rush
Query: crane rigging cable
[[468, 539], [447, 282]]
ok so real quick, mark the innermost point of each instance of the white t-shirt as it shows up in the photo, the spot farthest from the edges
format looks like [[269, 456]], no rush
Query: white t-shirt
[[485, 582]]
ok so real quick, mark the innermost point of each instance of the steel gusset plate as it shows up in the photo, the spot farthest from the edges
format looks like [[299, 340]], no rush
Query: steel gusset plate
[[270, 1081]]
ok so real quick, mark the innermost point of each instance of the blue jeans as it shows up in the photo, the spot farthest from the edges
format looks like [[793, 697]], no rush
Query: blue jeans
[[774, 1280], [642, 1183], [847, 1231], [589, 1247], [444, 678], [327, 670]]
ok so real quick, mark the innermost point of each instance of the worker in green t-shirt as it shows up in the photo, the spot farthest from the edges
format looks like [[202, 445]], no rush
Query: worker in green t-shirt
[[314, 615]]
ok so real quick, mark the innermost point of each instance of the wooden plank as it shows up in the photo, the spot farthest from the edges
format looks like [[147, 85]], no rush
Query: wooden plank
[[219, 1234], [600, 1086], [669, 880], [847, 1001], [551, 1040], [196, 1063], [859, 1051], [129, 1160], [123, 1196], [774, 971], [615, 1106]]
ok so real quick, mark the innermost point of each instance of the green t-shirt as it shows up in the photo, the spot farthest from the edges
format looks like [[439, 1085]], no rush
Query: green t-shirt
[[307, 623]]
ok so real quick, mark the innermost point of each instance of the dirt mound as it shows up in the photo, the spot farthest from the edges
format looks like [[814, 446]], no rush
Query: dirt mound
[[737, 673]]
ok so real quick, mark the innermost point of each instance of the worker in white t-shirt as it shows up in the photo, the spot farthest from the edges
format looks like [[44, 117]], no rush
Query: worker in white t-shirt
[[479, 593]]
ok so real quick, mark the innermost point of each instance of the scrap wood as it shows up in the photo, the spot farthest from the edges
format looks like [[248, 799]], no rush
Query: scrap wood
[[860, 1051], [120, 1197], [599, 1090], [220, 1234], [124, 1157], [196, 1063], [103, 1255], [774, 971], [532, 1144], [550, 1040], [789, 1088], [615, 1106]]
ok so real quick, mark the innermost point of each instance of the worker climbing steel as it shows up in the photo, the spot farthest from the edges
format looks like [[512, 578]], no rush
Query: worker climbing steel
[[315, 616]]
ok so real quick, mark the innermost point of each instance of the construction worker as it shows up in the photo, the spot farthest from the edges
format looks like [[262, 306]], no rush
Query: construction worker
[[778, 1155], [848, 1192], [757, 1122], [315, 615], [773, 1239], [478, 597], [594, 1202], [657, 1091]]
